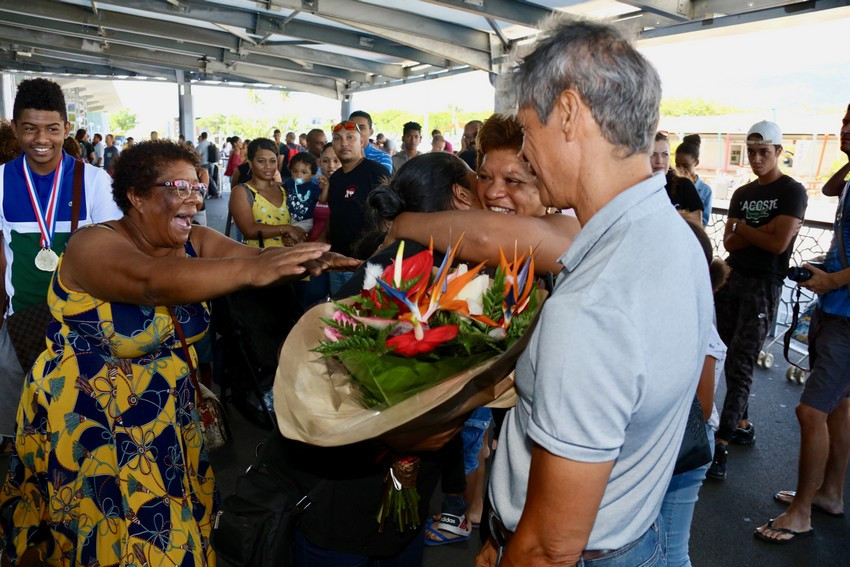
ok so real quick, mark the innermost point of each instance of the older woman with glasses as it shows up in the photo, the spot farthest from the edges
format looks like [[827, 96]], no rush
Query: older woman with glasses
[[109, 464]]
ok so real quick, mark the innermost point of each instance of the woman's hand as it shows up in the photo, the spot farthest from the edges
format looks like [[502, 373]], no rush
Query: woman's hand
[[275, 264], [292, 234], [331, 261]]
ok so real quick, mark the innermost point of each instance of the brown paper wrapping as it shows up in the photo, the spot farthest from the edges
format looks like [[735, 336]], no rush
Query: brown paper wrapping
[[316, 401]]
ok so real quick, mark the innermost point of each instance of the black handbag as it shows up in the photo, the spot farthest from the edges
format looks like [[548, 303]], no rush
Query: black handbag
[[27, 327], [695, 450], [256, 525]]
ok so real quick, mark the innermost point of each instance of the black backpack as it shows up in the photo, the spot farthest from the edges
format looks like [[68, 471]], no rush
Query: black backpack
[[256, 525], [212, 153]]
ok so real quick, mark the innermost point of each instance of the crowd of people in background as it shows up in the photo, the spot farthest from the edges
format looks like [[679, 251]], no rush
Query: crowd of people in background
[[107, 459]]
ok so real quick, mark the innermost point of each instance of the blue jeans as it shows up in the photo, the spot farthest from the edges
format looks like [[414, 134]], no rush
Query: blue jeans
[[337, 280], [309, 555], [473, 433], [645, 551], [678, 510]]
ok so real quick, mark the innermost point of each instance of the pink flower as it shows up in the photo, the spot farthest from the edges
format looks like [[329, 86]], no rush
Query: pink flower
[[342, 319]]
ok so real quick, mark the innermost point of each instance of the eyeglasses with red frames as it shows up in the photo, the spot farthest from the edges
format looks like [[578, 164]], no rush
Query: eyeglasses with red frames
[[348, 125], [184, 188]]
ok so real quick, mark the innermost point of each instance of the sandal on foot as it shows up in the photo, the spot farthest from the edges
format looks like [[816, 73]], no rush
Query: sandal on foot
[[787, 496], [781, 541], [449, 529]]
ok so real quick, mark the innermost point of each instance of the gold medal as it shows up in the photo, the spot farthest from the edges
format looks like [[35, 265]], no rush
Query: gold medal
[[46, 260]]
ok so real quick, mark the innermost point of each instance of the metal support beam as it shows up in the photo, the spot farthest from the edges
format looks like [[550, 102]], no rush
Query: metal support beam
[[676, 10], [506, 45], [417, 79], [703, 9], [795, 9], [459, 53], [176, 32], [186, 111], [146, 41], [345, 107], [366, 13], [262, 23], [513, 11], [329, 59], [240, 71], [169, 61]]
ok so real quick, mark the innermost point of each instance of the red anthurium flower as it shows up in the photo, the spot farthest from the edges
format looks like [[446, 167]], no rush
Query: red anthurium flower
[[417, 266], [407, 345]]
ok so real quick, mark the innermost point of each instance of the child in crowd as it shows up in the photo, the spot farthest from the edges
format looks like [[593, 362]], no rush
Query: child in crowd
[[302, 196], [302, 193]]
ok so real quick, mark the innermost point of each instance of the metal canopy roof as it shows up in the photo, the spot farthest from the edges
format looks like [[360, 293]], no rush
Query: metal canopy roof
[[326, 47]]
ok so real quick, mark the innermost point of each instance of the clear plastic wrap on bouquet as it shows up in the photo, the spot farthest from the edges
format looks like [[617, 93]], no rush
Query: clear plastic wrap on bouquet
[[317, 402]]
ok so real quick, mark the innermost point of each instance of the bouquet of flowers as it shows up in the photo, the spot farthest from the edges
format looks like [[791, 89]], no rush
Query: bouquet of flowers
[[419, 347], [414, 324]]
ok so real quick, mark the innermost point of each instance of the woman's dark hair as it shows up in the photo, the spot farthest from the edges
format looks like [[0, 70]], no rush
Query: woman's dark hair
[[9, 148], [690, 146], [258, 144], [498, 132], [72, 147], [422, 184], [307, 158], [139, 167], [326, 146], [718, 270], [39, 94], [661, 136]]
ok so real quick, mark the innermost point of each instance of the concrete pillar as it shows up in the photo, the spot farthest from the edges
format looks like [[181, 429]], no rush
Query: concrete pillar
[[345, 107], [504, 97], [7, 95], [186, 112]]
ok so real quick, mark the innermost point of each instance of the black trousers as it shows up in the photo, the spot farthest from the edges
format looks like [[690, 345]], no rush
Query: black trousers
[[745, 309]]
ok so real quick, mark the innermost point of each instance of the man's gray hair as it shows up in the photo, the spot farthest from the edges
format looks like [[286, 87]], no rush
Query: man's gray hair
[[621, 88]]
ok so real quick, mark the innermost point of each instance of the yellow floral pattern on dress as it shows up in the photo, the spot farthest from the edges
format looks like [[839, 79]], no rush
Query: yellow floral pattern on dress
[[109, 466], [267, 213]]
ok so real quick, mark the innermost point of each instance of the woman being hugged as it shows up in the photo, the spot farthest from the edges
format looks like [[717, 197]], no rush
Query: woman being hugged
[[259, 206], [109, 465]]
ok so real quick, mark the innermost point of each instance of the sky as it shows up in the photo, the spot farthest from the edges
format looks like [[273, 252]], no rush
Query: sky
[[797, 64]]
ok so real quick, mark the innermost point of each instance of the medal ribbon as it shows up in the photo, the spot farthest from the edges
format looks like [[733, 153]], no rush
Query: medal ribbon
[[46, 225]]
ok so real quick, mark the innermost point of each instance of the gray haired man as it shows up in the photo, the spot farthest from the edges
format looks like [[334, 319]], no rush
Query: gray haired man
[[611, 369]]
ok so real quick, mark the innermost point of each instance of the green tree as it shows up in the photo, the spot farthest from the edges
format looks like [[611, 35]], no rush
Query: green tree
[[694, 107], [122, 121]]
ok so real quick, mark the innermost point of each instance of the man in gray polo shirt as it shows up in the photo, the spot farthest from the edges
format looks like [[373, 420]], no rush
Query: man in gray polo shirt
[[609, 375]]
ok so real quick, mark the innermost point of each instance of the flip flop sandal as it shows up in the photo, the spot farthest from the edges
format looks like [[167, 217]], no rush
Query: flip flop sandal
[[785, 497], [794, 535], [456, 526]]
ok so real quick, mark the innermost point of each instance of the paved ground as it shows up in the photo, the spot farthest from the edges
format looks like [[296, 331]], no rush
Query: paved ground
[[727, 512]]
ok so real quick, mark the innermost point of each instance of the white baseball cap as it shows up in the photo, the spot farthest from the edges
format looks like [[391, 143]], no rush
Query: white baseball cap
[[769, 132]]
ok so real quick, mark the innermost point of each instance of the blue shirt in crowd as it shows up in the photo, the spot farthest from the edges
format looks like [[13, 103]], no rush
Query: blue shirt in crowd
[[837, 301]]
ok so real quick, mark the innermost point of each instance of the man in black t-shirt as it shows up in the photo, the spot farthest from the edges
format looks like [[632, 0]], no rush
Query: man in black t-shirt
[[764, 218], [350, 185]]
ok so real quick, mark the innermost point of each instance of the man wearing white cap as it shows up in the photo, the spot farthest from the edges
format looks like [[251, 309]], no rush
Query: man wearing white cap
[[764, 218]]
